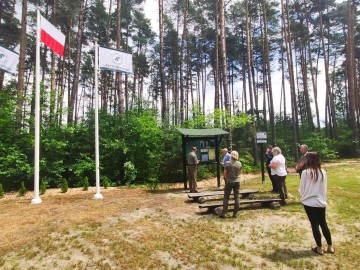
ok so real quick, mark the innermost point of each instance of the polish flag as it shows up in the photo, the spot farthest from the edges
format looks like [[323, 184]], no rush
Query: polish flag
[[52, 37]]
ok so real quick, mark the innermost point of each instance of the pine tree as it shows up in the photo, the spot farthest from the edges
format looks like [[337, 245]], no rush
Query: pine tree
[[22, 190], [86, 183], [64, 186], [1, 191]]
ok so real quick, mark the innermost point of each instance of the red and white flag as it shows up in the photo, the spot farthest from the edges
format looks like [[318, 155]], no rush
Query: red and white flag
[[52, 37]]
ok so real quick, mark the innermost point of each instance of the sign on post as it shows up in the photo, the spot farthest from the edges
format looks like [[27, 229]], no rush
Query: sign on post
[[115, 60], [261, 137], [8, 60]]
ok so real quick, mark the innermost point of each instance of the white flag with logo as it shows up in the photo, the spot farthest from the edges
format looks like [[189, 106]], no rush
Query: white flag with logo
[[8, 60], [115, 60]]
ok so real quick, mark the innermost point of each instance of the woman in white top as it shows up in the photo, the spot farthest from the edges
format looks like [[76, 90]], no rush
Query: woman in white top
[[279, 172], [313, 185]]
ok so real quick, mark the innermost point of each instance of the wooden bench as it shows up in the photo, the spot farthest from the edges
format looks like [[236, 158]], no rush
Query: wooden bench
[[263, 202], [196, 196]]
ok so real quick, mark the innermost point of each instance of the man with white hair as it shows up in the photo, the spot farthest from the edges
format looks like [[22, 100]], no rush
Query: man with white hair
[[301, 165]]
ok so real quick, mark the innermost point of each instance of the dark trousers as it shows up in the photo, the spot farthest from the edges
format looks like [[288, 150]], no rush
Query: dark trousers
[[272, 179], [281, 186], [228, 188], [317, 218], [192, 178]]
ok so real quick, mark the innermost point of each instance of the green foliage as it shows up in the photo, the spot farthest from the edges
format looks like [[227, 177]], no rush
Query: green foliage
[[206, 171], [324, 146], [22, 190], [153, 183], [43, 186], [86, 183], [247, 162], [130, 172], [105, 181], [1, 191], [346, 145], [64, 186]]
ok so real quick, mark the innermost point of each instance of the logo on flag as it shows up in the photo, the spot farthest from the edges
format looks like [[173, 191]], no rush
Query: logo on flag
[[8, 60], [115, 60], [52, 37]]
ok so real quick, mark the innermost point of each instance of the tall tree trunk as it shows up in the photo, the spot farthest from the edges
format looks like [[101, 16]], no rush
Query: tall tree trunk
[[21, 74], [250, 78], [182, 48], [268, 73], [304, 68], [162, 64], [74, 92], [53, 75], [105, 73], [327, 79], [351, 77], [313, 81], [223, 56], [118, 46], [285, 14], [216, 73]]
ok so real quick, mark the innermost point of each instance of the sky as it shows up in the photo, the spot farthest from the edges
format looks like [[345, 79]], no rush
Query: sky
[[151, 12]]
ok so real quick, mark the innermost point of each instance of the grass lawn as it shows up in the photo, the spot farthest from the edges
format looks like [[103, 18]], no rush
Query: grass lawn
[[141, 229]]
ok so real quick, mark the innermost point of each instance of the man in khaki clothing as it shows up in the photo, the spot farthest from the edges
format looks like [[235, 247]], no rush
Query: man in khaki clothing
[[192, 161]]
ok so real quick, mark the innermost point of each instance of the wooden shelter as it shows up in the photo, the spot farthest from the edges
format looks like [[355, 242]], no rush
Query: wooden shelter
[[207, 142]]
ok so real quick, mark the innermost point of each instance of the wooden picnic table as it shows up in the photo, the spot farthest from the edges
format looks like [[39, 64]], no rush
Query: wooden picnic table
[[263, 202], [196, 196]]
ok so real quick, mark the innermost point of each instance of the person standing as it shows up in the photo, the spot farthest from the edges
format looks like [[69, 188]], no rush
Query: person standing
[[268, 157], [301, 165], [279, 173], [226, 159], [232, 175], [192, 162], [313, 187]]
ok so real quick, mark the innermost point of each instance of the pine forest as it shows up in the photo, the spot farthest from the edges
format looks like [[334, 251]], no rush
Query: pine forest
[[290, 68]]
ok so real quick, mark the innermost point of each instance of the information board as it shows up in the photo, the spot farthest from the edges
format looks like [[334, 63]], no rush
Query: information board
[[205, 149], [261, 137]]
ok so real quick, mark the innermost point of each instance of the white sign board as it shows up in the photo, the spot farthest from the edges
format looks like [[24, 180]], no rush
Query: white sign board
[[115, 60], [8, 60], [261, 137]]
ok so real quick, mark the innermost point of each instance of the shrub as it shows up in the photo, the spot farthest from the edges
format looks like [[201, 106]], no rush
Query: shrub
[[324, 146], [86, 183], [1, 191], [64, 186], [43, 186], [105, 182], [22, 190], [130, 172], [153, 183]]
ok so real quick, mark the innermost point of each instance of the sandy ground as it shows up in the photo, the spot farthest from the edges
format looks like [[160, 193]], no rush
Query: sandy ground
[[64, 216]]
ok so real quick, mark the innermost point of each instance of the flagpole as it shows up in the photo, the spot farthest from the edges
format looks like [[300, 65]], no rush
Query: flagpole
[[37, 199], [97, 165]]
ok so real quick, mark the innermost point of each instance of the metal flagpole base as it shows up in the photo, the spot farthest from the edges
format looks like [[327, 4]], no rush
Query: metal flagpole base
[[98, 196], [36, 200]]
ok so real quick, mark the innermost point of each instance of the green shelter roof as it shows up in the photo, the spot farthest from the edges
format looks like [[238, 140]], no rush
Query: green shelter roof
[[208, 132]]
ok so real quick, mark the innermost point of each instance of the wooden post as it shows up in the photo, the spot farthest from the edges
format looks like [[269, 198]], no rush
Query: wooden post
[[217, 156], [184, 160], [262, 162]]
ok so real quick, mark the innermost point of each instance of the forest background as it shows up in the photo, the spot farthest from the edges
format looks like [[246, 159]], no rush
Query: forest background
[[228, 50]]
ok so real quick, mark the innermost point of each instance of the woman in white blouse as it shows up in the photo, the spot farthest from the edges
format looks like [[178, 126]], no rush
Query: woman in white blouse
[[279, 172], [313, 185]]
